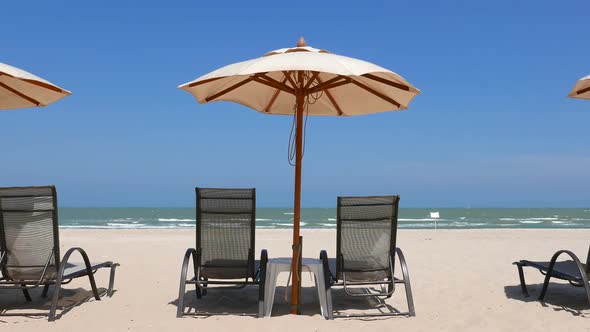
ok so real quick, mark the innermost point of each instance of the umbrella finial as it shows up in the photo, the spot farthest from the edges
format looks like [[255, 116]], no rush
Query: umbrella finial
[[301, 42]]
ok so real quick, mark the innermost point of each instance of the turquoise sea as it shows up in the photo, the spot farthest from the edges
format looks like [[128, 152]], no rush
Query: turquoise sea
[[416, 218]]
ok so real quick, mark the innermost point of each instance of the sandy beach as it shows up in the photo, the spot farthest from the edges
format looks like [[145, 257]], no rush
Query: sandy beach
[[462, 280]]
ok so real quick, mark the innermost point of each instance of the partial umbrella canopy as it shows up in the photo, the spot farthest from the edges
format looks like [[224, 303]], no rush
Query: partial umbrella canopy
[[21, 89], [582, 89]]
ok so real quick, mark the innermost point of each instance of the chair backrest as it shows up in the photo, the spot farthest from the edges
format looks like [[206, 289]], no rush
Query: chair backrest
[[226, 224], [366, 237], [29, 235]]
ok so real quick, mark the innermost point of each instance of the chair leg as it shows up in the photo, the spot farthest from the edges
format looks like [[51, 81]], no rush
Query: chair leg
[[181, 291], [330, 315], [45, 291], [182, 288], [198, 291], [522, 281], [204, 290], [587, 287], [406, 276], [112, 280], [56, 290], [93, 286], [27, 294]]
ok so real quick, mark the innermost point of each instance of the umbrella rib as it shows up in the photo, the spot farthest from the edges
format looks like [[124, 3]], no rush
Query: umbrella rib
[[204, 81], [331, 83], [231, 88], [311, 79], [375, 92], [388, 82], [38, 83], [274, 97], [45, 85], [332, 100], [20, 94], [583, 91], [263, 79], [288, 76]]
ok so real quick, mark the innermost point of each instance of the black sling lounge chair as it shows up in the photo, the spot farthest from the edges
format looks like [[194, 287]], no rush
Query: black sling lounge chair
[[573, 271], [366, 250], [224, 255], [29, 246]]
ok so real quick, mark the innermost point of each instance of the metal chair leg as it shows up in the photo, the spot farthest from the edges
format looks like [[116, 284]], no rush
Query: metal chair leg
[[112, 280], [26, 294], [580, 266], [522, 281], [406, 276], [182, 288], [59, 279]]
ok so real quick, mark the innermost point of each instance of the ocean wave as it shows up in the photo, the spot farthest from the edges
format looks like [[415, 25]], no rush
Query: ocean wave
[[331, 219], [423, 219], [288, 213], [120, 225], [174, 219], [122, 219], [262, 219], [531, 221]]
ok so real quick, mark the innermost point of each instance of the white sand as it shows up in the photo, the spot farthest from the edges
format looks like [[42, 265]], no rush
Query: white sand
[[461, 279]]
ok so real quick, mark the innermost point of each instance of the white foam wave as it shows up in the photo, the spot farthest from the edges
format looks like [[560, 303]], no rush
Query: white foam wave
[[120, 225], [174, 219], [331, 219], [531, 221], [262, 219], [288, 213]]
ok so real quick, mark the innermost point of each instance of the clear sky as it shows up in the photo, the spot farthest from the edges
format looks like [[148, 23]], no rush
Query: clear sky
[[493, 126]]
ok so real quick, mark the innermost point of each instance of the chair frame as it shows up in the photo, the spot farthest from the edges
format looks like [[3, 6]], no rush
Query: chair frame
[[550, 270], [256, 277], [332, 280], [61, 279]]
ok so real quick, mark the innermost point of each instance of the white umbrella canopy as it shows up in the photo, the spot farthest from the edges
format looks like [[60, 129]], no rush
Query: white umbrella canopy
[[304, 81], [21, 89], [351, 86], [582, 89]]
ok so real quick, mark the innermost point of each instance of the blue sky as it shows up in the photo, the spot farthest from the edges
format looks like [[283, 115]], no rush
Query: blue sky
[[492, 127]]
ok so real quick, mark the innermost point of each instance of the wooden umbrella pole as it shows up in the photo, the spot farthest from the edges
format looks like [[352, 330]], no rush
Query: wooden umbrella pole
[[297, 204]]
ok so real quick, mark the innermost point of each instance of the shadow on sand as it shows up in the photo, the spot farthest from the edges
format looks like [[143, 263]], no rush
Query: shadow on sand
[[13, 303], [559, 297], [244, 302]]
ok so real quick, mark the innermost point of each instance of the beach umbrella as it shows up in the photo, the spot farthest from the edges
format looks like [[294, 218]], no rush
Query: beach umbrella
[[20, 89], [581, 89], [303, 81]]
